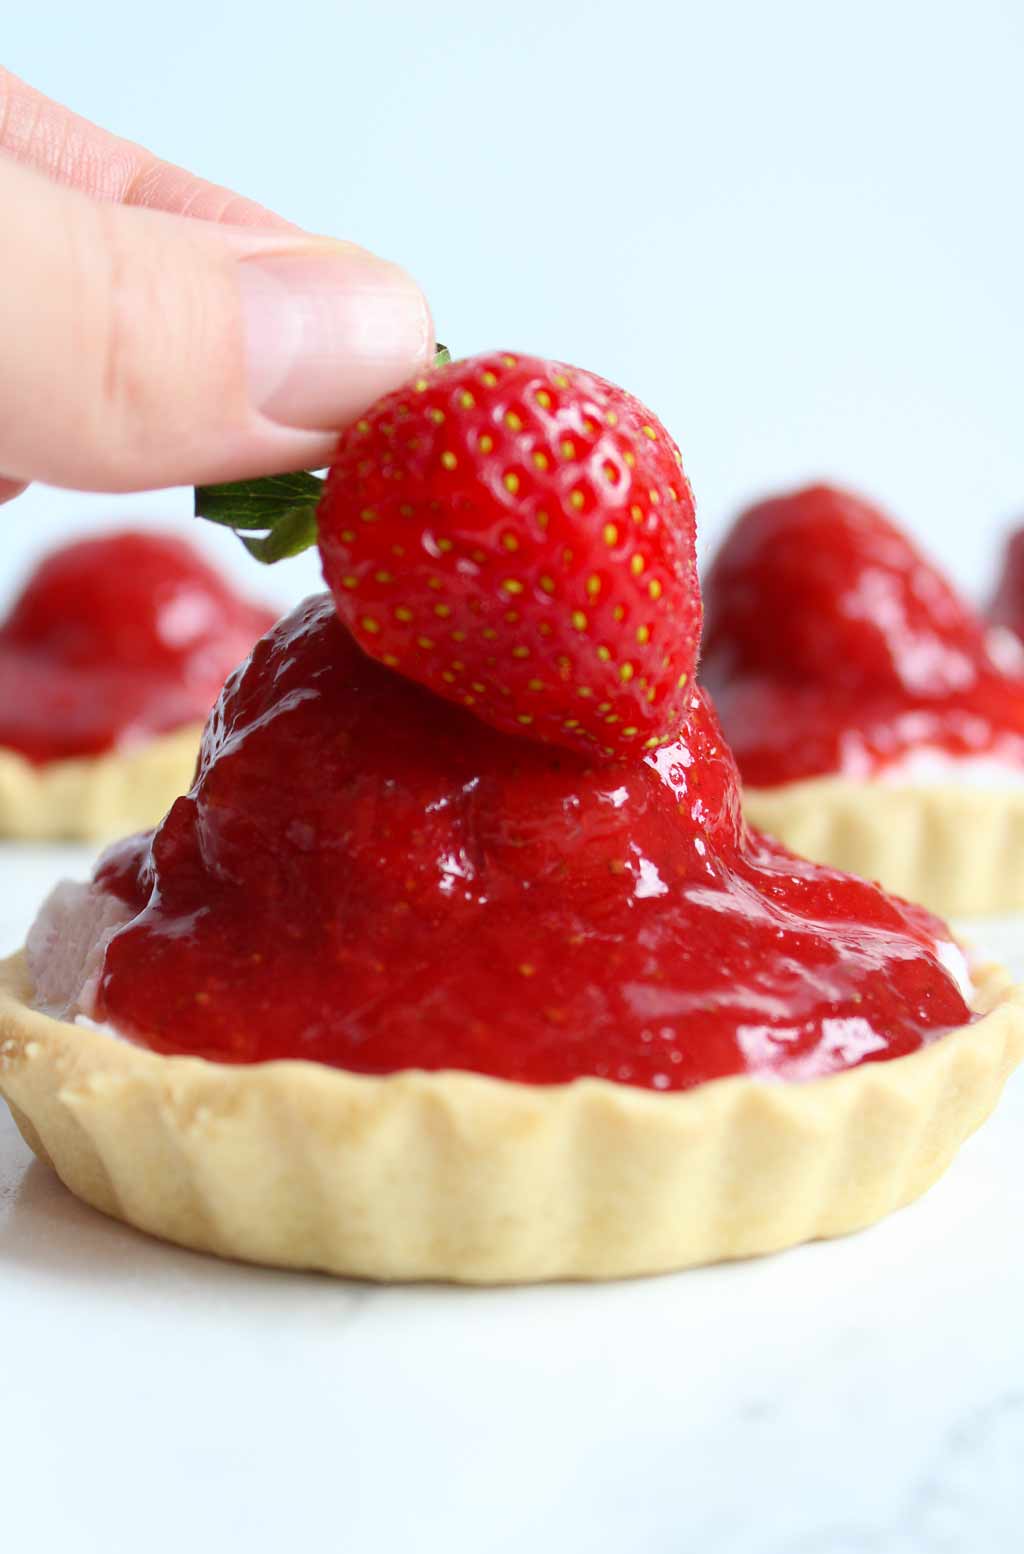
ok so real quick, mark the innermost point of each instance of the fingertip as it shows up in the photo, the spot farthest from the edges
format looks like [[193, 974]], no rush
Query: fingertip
[[328, 329]]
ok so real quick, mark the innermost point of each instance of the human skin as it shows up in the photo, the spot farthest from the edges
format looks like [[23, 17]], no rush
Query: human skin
[[160, 330]]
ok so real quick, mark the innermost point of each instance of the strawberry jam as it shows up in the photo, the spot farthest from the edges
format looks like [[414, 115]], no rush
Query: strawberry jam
[[369, 877], [833, 646], [114, 639]]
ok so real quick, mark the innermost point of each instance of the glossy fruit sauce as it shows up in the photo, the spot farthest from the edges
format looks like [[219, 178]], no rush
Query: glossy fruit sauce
[[369, 877], [832, 645], [116, 638]]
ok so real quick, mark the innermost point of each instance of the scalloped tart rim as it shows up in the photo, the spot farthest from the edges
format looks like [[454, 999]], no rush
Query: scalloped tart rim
[[957, 850], [96, 798], [461, 1177]]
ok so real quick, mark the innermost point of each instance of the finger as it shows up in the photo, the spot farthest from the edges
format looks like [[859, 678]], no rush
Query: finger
[[51, 139], [142, 350], [9, 489]]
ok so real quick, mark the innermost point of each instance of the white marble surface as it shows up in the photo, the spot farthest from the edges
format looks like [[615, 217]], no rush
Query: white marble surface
[[860, 1397]]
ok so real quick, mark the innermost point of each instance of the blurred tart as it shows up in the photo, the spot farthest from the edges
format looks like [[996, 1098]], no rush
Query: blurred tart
[[877, 723], [111, 658]]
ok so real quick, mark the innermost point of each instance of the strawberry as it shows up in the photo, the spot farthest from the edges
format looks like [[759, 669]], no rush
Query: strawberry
[[517, 536], [819, 587]]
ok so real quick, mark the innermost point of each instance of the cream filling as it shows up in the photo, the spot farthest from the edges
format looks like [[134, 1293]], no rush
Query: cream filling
[[928, 767], [65, 947]]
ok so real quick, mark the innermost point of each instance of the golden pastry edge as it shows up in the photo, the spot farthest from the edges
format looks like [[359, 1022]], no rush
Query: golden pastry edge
[[96, 798], [460, 1177], [958, 850]]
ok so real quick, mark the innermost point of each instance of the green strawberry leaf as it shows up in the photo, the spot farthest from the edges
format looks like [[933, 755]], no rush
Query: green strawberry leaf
[[292, 533], [274, 517], [257, 504]]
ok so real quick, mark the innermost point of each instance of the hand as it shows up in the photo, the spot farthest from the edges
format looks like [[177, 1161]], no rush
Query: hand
[[158, 330]]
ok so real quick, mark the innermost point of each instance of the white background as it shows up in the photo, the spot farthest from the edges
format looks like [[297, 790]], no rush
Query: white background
[[795, 229]]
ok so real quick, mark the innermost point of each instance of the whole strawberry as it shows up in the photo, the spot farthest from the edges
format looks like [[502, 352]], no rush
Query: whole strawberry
[[819, 586], [518, 536]]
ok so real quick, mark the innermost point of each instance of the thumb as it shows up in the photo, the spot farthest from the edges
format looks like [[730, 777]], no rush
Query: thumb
[[142, 349]]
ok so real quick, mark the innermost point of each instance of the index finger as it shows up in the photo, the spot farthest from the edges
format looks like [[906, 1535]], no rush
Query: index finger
[[51, 139]]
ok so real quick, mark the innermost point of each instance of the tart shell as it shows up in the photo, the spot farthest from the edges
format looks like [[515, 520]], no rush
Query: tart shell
[[957, 850], [96, 798], [461, 1177]]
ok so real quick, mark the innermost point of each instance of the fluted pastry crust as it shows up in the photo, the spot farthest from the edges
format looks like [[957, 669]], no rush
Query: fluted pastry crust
[[461, 1177], [96, 798], [955, 849]]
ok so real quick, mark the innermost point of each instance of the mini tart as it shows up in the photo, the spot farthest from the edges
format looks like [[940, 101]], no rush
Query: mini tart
[[95, 798], [111, 656], [456, 1176], [959, 850], [839, 659]]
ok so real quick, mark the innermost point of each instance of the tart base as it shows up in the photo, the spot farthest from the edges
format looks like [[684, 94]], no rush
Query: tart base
[[958, 851], [460, 1177], [96, 798]]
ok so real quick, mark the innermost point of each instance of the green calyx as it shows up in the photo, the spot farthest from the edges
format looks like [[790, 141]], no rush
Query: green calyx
[[274, 516]]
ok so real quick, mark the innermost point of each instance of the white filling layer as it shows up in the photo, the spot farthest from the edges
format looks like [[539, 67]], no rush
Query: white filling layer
[[928, 767], [66, 944], [101, 1026]]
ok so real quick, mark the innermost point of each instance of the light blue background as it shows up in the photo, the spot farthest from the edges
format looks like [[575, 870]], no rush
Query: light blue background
[[794, 229]]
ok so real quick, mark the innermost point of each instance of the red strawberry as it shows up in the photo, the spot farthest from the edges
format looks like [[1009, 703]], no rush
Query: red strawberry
[[135, 600], [819, 586], [518, 536]]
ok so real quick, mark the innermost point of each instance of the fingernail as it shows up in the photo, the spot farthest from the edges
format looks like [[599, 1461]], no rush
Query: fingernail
[[327, 331]]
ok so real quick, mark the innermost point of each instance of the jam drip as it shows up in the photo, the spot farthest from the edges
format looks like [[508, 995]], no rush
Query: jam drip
[[833, 646], [368, 877], [114, 639]]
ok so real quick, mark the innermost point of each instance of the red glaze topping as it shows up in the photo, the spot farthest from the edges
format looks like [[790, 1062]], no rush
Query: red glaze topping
[[114, 639], [372, 878], [832, 645]]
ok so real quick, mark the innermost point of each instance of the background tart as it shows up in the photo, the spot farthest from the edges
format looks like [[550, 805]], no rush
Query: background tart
[[95, 797], [110, 659], [959, 849], [877, 721]]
